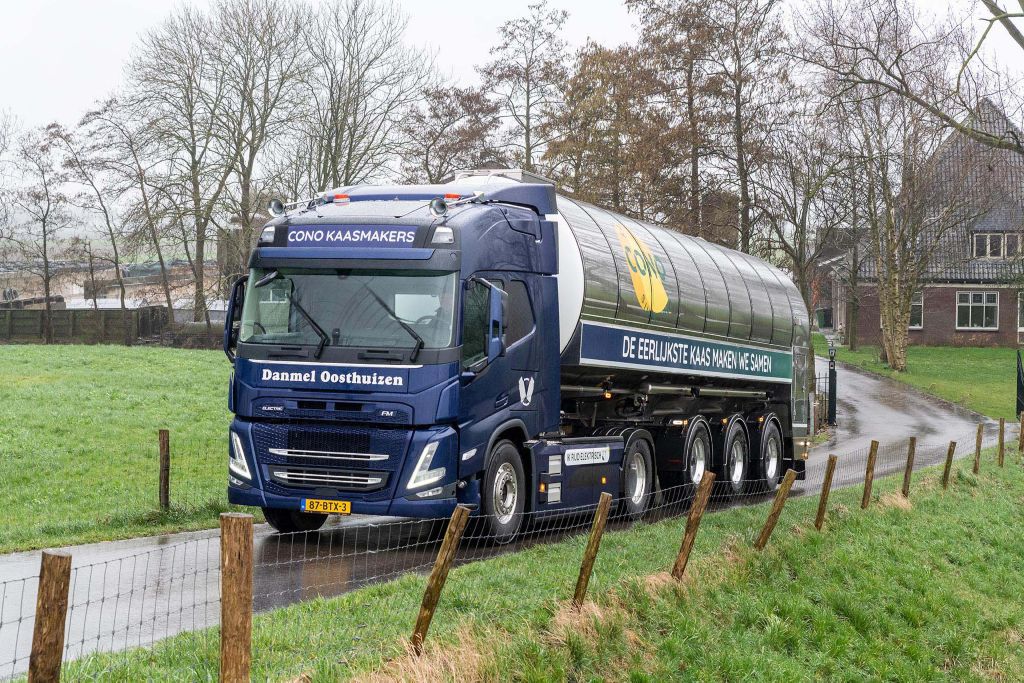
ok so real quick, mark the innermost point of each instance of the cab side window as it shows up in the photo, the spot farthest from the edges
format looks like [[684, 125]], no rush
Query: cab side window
[[474, 324], [520, 312]]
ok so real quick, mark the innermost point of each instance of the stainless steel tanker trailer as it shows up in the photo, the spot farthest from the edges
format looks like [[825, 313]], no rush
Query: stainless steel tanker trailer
[[404, 349]]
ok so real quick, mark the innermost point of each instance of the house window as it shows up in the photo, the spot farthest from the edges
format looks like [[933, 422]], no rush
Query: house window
[[996, 245], [1020, 312], [977, 310], [916, 311]]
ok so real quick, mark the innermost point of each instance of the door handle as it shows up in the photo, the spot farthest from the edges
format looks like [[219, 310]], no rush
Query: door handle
[[501, 401]]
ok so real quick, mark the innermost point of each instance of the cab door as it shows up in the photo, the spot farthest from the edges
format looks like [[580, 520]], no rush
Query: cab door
[[484, 396]]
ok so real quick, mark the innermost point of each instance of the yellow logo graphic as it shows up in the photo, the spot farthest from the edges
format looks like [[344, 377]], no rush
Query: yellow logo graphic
[[647, 272]]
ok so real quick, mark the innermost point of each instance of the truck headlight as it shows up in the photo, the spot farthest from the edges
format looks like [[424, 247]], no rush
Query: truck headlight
[[236, 457], [423, 475]]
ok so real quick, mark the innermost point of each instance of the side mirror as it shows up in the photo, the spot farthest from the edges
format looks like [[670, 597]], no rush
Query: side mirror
[[232, 320], [498, 305]]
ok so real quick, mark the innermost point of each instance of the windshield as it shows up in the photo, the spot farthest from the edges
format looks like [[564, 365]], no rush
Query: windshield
[[350, 308]]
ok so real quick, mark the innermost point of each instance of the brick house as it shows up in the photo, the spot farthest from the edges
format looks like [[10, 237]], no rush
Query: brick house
[[972, 294]]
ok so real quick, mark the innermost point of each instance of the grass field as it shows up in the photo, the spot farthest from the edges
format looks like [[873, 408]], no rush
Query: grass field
[[78, 441], [927, 591], [981, 379]]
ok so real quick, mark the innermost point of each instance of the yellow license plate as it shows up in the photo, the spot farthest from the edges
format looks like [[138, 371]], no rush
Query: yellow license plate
[[327, 507]]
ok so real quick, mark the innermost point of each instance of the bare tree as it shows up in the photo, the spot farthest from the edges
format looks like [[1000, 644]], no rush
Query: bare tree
[[182, 83], [454, 128], [802, 196], [680, 36], [264, 63], [917, 185], [85, 158], [613, 143], [525, 73], [751, 62], [859, 57], [42, 213], [134, 164], [363, 83]]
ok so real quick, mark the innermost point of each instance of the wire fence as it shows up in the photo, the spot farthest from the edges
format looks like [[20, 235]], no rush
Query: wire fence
[[137, 599]]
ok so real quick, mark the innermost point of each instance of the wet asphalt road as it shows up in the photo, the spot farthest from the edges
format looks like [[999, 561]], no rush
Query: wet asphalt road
[[135, 592]]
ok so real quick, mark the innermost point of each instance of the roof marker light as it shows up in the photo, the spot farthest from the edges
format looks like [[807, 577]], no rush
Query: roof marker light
[[443, 235], [341, 199]]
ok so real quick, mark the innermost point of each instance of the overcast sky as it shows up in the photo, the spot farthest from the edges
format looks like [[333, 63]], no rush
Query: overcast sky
[[58, 57]]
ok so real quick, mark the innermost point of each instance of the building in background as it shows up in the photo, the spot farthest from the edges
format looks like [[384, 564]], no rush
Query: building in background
[[972, 294]]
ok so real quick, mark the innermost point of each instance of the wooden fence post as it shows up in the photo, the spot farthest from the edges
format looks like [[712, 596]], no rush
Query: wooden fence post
[[51, 611], [949, 464], [696, 513], [438, 575], [869, 475], [235, 597], [911, 451], [1020, 435], [977, 448], [826, 488], [777, 505], [165, 470], [590, 552], [1002, 439]]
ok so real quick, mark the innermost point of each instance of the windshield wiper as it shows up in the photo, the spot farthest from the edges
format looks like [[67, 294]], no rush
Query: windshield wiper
[[312, 323], [405, 326], [270, 277]]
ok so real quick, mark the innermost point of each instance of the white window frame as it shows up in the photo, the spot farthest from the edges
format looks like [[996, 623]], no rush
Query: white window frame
[[917, 295], [1003, 244], [1020, 319], [969, 304]]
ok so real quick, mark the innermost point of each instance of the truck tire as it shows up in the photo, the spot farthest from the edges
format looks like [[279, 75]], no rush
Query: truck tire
[[291, 521], [769, 463], [698, 457], [735, 459], [637, 478], [503, 497]]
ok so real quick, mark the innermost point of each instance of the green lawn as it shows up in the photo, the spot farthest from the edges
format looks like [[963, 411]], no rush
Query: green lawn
[[78, 441], [932, 592], [982, 379]]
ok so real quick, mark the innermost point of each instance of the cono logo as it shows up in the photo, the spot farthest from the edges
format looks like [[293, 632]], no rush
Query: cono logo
[[646, 270]]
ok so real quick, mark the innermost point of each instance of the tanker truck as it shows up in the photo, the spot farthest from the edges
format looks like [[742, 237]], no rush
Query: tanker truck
[[400, 350]]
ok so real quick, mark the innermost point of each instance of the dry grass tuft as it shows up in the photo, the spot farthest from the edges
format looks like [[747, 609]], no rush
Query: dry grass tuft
[[581, 622], [657, 583], [895, 500], [465, 662], [987, 669]]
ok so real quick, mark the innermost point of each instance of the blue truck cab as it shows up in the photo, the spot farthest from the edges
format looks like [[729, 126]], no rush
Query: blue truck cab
[[381, 348]]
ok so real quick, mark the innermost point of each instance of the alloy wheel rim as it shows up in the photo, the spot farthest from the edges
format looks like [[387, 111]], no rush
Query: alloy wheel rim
[[736, 454], [772, 458], [505, 493], [698, 461], [638, 470]]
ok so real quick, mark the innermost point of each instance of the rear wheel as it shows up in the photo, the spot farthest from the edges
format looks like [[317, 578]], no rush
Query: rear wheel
[[637, 478], [735, 454], [291, 521], [504, 493], [769, 464]]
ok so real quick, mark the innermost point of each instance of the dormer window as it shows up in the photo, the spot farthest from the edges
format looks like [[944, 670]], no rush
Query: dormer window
[[996, 245]]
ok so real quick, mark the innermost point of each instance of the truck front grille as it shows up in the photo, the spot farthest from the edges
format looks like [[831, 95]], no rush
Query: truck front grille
[[297, 458], [342, 480]]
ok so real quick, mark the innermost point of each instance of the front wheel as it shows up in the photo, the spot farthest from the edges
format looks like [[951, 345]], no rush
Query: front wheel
[[292, 521], [504, 493], [637, 479]]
